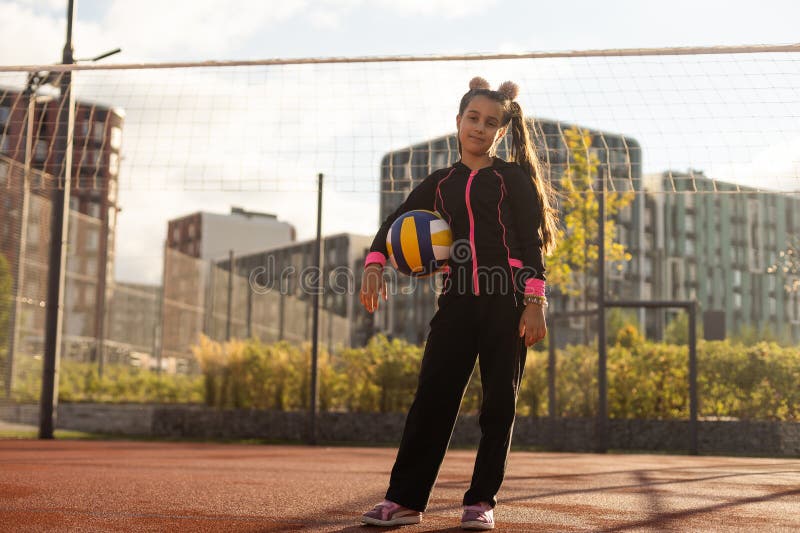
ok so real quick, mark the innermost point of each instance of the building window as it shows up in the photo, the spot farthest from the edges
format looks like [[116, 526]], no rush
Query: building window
[[91, 267], [90, 158], [5, 144], [690, 247], [5, 112], [3, 172], [675, 280], [112, 191], [92, 240], [33, 233], [113, 163], [98, 131], [115, 139], [793, 305], [754, 244], [94, 210], [112, 217], [689, 223], [40, 151]]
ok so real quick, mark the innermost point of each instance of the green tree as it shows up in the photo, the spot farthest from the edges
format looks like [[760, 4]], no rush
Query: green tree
[[573, 267], [787, 266]]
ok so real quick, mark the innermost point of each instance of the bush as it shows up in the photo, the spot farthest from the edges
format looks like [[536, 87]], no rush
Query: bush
[[645, 379], [81, 382]]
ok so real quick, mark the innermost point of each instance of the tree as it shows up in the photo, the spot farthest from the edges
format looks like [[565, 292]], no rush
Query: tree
[[788, 266], [573, 267]]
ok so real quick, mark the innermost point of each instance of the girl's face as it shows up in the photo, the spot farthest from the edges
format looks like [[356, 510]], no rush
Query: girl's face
[[479, 127]]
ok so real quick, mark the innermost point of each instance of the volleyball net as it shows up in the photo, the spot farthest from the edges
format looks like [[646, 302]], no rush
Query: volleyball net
[[704, 144]]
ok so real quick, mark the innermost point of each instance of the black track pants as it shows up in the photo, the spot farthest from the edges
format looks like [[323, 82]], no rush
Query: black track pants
[[463, 327]]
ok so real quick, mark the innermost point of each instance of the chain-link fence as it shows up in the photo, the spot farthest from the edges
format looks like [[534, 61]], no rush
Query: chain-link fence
[[699, 160]]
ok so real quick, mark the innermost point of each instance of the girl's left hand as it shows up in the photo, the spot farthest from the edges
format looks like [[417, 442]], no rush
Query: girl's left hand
[[532, 324]]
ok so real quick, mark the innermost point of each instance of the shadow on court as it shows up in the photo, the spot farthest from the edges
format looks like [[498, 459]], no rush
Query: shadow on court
[[149, 486]]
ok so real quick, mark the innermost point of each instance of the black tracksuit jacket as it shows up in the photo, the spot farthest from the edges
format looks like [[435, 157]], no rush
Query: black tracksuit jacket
[[495, 218]]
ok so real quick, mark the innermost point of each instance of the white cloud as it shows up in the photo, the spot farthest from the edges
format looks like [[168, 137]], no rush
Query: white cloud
[[29, 37], [776, 166], [447, 9], [325, 19], [158, 29]]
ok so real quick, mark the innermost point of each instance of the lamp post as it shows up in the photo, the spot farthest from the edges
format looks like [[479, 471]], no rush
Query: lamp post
[[58, 237]]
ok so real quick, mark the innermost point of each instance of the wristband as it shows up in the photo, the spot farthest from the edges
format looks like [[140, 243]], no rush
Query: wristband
[[535, 287], [535, 299], [376, 258]]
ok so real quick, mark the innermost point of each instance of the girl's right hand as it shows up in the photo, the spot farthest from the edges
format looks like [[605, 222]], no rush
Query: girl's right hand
[[372, 284]]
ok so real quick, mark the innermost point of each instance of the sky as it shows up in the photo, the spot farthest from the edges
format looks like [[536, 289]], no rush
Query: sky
[[348, 111]]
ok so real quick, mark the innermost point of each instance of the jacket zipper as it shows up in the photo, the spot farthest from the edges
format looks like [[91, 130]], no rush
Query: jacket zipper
[[472, 235]]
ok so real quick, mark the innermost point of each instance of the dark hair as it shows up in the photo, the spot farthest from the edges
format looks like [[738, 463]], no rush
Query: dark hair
[[522, 152]]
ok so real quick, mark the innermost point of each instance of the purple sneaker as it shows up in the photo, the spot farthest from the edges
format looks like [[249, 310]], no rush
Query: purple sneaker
[[477, 517], [388, 513]]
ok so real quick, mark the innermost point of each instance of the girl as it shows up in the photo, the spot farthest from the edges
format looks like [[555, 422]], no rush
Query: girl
[[492, 303]]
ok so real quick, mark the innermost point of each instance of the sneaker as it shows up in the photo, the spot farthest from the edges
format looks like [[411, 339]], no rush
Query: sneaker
[[388, 513], [477, 517]]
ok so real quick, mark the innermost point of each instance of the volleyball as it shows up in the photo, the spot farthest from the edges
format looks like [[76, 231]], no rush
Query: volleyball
[[419, 243]]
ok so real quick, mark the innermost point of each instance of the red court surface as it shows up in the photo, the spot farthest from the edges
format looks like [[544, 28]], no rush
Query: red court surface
[[148, 486]]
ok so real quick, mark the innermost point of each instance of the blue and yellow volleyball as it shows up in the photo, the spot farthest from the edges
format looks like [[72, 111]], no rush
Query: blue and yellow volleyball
[[419, 243]]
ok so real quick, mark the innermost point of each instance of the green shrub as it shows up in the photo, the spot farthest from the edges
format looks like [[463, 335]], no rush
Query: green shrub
[[645, 379], [81, 382]]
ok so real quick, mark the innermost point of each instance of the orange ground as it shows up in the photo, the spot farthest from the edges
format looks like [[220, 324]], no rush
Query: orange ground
[[146, 486]]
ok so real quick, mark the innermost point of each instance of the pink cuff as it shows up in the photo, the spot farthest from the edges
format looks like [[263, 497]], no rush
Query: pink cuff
[[534, 287], [375, 257]]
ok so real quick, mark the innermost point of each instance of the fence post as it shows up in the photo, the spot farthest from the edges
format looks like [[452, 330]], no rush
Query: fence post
[[692, 309]]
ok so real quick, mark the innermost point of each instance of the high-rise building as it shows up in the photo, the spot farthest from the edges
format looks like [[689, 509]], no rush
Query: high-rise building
[[25, 215], [211, 236], [717, 243], [194, 242], [275, 287]]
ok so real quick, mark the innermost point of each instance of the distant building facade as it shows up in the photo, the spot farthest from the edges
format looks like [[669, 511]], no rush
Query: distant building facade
[[274, 290], [25, 216], [190, 282], [716, 242], [211, 236], [714, 247]]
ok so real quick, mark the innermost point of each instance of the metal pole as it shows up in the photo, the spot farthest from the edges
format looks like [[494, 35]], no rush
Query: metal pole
[[58, 237], [551, 370], [692, 309], [249, 312], [315, 321], [230, 296], [602, 387], [158, 341]]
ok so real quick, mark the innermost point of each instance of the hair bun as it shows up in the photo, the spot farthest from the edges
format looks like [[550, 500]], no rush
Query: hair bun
[[509, 89], [478, 83]]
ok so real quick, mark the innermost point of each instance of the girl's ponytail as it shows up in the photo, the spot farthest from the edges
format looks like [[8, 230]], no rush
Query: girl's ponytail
[[523, 153]]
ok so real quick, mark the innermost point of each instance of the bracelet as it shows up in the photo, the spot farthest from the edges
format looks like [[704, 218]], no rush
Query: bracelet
[[535, 299]]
